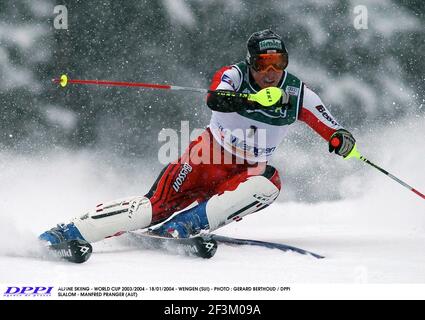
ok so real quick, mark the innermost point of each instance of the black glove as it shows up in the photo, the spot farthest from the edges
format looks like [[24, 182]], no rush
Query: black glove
[[342, 142], [220, 101], [224, 101]]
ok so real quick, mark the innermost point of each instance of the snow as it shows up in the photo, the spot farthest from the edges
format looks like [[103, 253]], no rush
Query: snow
[[375, 237], [179, 12], [62, 117], [25, 37]]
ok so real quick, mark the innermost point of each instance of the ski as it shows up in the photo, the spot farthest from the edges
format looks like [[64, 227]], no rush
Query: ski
[[76, 251], [198, 246], [264, 244]]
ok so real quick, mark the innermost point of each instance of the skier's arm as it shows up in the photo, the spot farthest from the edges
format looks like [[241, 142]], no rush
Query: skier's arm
[[227, 79], [314, 113], [229, 104]]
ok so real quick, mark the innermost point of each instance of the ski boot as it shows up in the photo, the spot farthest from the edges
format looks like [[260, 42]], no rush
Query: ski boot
[[66, 242], [61, 233], [185, 224]]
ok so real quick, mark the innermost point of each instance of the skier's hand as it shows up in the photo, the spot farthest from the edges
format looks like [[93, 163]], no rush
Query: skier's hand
[[342, 142]]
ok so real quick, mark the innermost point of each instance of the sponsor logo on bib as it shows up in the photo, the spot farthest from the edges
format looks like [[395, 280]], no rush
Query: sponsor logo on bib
[[292, 91]]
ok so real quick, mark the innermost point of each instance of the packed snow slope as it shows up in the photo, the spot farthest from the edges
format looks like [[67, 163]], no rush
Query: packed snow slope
[[374, 233]]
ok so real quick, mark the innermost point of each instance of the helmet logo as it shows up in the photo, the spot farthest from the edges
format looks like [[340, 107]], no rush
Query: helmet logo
[[270, 44]]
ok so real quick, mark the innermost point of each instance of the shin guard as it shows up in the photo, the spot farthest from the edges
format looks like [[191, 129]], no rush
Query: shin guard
[[114, 218]]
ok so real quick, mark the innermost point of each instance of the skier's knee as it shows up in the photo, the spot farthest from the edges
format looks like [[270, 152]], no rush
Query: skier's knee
[[256, 193], [252, 195], [272, 174]]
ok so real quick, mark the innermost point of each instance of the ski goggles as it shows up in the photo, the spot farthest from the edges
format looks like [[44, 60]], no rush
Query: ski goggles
[[265, 61]]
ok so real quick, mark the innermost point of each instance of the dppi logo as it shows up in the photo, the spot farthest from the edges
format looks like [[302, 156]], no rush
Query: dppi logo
[[28, 291]]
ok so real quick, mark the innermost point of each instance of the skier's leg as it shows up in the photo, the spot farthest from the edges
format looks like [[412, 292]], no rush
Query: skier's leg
[[128, 214], [194, 179], [245, 195], [182, 183], [175, 189], [116, 217], [106, 220]]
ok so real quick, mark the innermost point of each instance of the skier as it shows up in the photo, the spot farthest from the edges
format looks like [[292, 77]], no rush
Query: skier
[[223, 175]]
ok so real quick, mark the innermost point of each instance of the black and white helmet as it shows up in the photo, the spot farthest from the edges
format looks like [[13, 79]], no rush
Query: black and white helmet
[[265, 41]]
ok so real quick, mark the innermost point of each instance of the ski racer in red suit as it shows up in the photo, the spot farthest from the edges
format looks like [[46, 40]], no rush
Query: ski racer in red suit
[[223, 175]]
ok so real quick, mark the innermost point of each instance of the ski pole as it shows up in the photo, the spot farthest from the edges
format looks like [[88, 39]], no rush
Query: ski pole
[[64, 81], [266, 97], [356, 154]]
